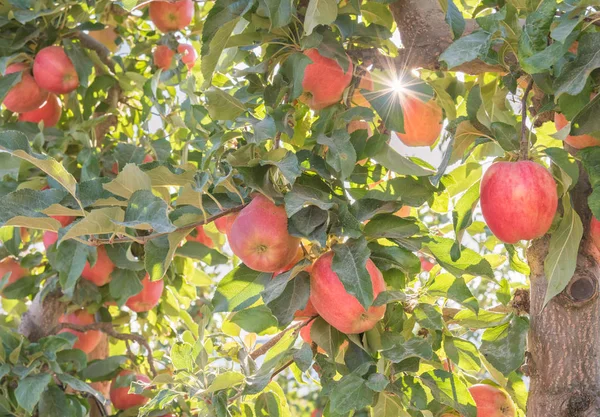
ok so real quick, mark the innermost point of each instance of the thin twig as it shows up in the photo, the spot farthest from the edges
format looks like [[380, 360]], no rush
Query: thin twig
[[144, 239], [90, 43], [109, 330], [524, 151], [272, 342]]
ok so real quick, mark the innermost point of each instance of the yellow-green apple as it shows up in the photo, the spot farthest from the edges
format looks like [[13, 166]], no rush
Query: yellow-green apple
[[259, 236], [86, 341], [201, 237], [171, 16], [119, 390], [579, 141], [54, 71], [49, 112], [324, 80], [100, 273], [106, 37], [492, 402], [163, 57], [26, 95], [16, 270], [148, 298], [188, 54], [366, 83], [422, 121], [339, 308], [518, 200]]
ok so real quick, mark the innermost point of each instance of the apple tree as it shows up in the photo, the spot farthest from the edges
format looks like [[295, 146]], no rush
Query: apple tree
[[246, 208]]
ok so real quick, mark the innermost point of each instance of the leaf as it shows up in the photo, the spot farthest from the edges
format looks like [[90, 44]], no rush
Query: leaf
[[429, 316], [536, 29], [225, 380], [448, 286], [181, 356], [462, 214], [319, 12], [305, 195], [470, 262], [351, 393], [326, 337], [239, 289], [16, 144], [97, 222], [586, 122], [574, 75], [286, 161], [482, 320], [7, 82], [590, 157], [159, 253], [280, 12], [454, 18], [293, 71], [70, 260], [396, 349], [387, 105], [401, 165], [349, 263], [567, 165], [257, 319], [450, 390], [147, 212], [124, 284], [103, 369], [30, 389], [222, 106], [377, 13], [561, 261], [130, 179], [463, 353], [341, 155], [80, 386], [391, 227], [389, 406], [467, 48], [504, 346], [24, 208], [293, 298], [212, 50], [54, 403]]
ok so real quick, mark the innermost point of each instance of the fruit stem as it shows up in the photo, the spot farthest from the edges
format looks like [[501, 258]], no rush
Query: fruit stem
[[524, 150]]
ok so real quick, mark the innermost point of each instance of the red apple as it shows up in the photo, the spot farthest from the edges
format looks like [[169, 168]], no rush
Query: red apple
[[201, 237], [54, 71], [324, 80], [492, 402], [366, 83], [317, 413], [594, 232], [579, 141], [188, 55], [169, 17], [426, 265], [299, 256], [518, 200], [403, 212], [50, 238], [163, 57], [106, 37], [260, 238], [148, 298], [224, 223], [26, 95], [339, 308], [308, 312], [49, 112], [99, 274], [16, 270], [422, 122], [86, 341], [119, 391]]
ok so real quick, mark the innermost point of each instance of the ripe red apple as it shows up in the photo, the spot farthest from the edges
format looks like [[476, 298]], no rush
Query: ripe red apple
[[426, 265], [201, 237], [26, 95], [338, 307], [148, 298], [163, 57], [54, 71], [224, 223], [518, 200], [305, 335], [594, 233], [50, 238], [99, 274], [492, 402], [422, 122], [188, 54], [106, 37], [299, 256], [169, 17], [324, 81], [119, 392], [317, 413], [86, 341], [260, 238], [579, 141], [366, 83], [49, 112], [308, 312], [16, 270]]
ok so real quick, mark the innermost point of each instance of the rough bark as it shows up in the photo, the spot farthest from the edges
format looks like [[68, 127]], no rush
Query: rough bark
[[563, 344], [42, 315], [101, 352]]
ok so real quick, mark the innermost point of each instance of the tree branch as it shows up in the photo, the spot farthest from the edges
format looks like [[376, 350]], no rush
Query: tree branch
[[273, 341], [524, 150], [109, 330], [92, 44]]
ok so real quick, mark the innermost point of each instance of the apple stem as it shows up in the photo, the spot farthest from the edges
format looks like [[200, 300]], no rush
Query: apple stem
[[524, 150]]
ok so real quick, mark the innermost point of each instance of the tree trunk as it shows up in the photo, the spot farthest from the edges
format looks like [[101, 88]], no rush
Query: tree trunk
[[101, 352]]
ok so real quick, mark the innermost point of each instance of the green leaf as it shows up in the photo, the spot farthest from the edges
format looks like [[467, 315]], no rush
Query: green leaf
[[462, 214], [467, 48], [470, 262], [463, 353], [567, 164], [574, 75], [341, 155], [377, 13], [590, 157], [280, 12], [225, 380], [397, 349], [223, 106], [303, 357], [349, 263], [391, 227], [454, 18], [561, 261], [70, 260], [482, 320], [401, 165], [24, 208], [506, 135], [536, 30], [351, 393], [181, 356], [130, 179], [54, 403], [450, 390], [326, 336], [448, 286], [386, 103], [124, 284], [389, 406], [103, 369], [159, 253], [586, 121], [255, 319], [429, 316], [293, 298], [504, 346], [319, 12], [30, 389], [293, 71], [239, 289], [80, 386], [286, 161], [306, 195], [7, 82], [147, 212]]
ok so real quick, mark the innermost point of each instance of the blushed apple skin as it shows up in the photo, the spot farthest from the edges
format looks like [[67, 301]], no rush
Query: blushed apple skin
[[169, 17], [338, 307], [86, 341], [163, 57], [149, 297], [120, 397], [518, 200], [188, 54], [49, 112], [579, 141], [260, 238], [201, 237], [54, 71], [17, 271], [492, 402], [26, 95], [366, 83], [224, 223], [305, 335], [325, 80], [422, 122], [99, 274]]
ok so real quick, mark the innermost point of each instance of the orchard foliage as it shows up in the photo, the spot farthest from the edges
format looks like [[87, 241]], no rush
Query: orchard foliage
[[148, 150]]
